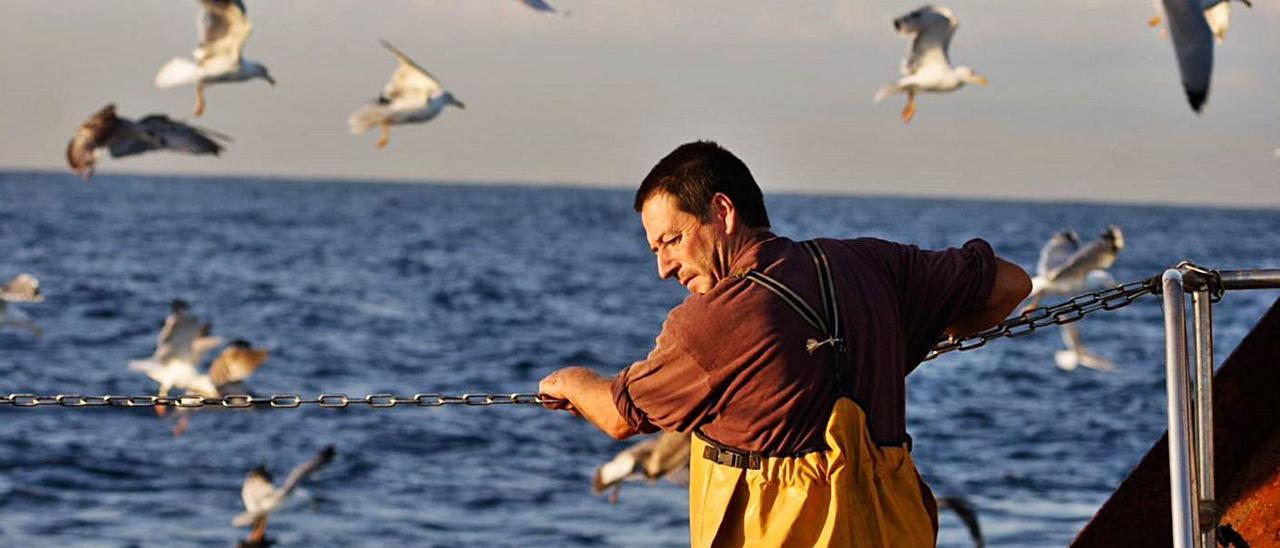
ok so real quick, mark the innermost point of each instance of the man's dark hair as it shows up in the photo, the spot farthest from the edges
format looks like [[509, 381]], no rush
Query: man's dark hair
[[694, 172]]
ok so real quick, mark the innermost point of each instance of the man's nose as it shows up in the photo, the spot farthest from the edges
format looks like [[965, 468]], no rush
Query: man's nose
[[667, 267]]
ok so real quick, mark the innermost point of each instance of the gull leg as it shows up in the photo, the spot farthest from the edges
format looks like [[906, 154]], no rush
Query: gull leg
[[386, 135], [160, 409], [181, 427], [199, 99], [909, 111], [259, 531]]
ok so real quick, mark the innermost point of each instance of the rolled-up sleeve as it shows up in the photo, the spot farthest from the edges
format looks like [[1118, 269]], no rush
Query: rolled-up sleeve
[[940, 287], [668, 390]]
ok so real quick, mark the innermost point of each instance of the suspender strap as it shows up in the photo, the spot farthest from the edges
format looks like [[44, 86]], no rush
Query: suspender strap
[[791, 298], [827, 323], [829, 302]]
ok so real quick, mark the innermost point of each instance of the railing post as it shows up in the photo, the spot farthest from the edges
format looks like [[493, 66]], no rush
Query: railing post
[[1181, 488], [1202, 319]]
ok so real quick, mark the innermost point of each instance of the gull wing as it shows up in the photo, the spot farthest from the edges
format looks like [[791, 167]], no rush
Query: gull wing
[[224, 27], [931, 28], [158, 132], [1099, 254], [22, 288], [1056, 251], [410, 83], [967, 515], [177, 340], [306, 469], [236, 363], [1193, 44]]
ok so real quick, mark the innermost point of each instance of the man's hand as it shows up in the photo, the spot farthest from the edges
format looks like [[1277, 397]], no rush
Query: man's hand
[[556, 387], [586, 394]]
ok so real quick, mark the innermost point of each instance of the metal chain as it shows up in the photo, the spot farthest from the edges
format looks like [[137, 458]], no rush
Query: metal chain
[[1070, 311], [279, 401], [1019, 326]]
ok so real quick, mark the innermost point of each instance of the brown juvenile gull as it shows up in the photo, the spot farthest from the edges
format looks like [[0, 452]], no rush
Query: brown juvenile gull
[[22, 288], [663, 456], [412, 96], [223, 26], [927, 66], [261, 498], [124, 137]]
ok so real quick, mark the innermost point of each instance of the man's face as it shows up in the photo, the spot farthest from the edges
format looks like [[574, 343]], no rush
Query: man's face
[[685, 245]]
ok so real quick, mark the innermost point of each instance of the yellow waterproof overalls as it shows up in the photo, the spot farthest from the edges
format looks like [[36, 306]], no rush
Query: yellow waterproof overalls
[[854, 493]]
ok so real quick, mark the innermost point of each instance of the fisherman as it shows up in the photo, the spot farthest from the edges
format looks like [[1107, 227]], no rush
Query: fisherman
[[788, 362]]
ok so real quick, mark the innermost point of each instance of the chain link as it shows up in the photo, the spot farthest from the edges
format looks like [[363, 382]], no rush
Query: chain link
[[1022, 325], [277, 401], [1070, 311]]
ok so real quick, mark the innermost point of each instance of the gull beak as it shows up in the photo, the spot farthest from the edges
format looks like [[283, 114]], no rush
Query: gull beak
[[269, 79], [982, 80], [459, 104]]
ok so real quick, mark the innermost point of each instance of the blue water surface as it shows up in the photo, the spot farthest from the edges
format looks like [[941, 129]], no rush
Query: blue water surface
[[405, 288]]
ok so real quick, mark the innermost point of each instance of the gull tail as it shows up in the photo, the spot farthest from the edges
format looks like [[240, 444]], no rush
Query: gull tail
[[177, 72], [885, 92], [144, 366], [367, 117], [245, 519]]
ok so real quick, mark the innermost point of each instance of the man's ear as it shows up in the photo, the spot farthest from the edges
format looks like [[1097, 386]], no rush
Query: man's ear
[[723, 209]]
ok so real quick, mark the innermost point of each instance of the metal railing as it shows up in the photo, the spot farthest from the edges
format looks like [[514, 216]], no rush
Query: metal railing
[[1190, 394]]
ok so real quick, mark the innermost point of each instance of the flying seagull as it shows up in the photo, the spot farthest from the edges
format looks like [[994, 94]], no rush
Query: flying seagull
[[1065, 269], [261, 498], [1193, 44], [124, 137], [412, 96], [223, 26], [664, 456], [22, 288], [181, 346], [927, 66], [1217, 13]]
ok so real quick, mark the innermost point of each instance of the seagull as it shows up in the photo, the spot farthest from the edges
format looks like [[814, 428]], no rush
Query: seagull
[[412, 95], [261, 498], [183, 342], [542, 7], [124, 137], [223, 26], [1193, 44], [663, 456], [1217, 13], [927, 66], [22, 288], [1065, 268]]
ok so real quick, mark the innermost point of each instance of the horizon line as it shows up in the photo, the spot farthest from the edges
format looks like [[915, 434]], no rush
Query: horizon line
[[615, 186]]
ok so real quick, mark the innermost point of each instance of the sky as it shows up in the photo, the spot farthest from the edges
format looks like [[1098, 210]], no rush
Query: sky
[[1084, 102]]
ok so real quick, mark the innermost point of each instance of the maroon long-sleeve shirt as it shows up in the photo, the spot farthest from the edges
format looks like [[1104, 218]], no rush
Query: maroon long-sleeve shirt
[[733, 362]]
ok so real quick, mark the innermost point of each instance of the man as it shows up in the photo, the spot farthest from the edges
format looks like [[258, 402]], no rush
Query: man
[[788, 362]]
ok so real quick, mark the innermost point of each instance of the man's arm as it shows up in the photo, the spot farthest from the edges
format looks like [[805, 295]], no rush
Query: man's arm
[[587, 394], [1011, 286]]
